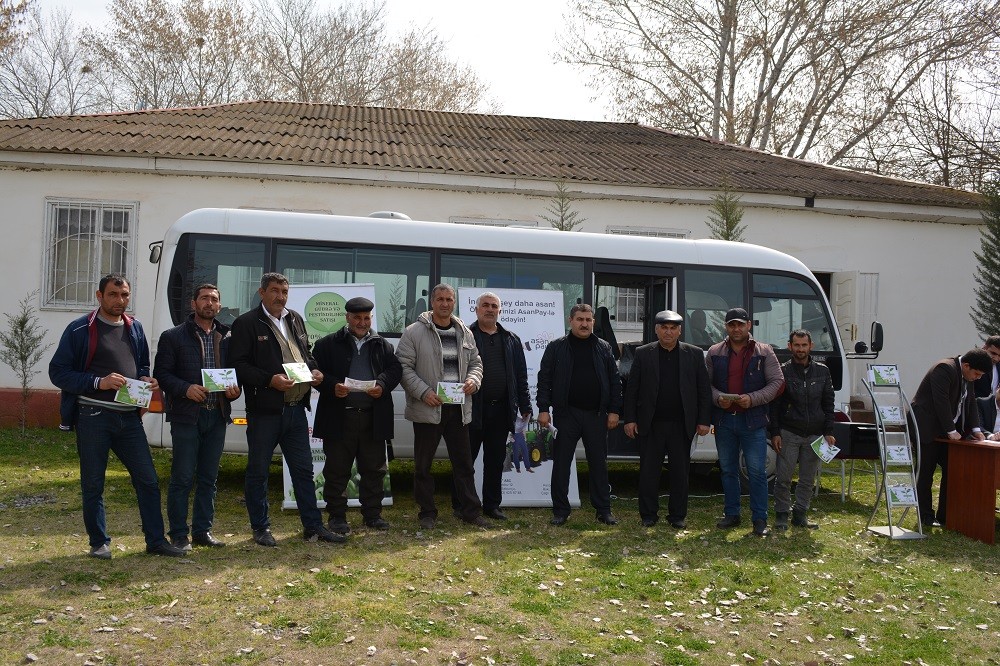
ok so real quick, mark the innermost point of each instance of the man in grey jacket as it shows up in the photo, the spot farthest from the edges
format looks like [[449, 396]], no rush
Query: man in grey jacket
[[437, 352]]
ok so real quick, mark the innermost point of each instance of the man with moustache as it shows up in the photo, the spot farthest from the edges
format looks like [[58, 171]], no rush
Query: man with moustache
[[355, 425], [263, 339], [578, 380], [802, 413], [503, 395], [668, 399], [197, 417], [95, 356], [745, 376], [990, 381]]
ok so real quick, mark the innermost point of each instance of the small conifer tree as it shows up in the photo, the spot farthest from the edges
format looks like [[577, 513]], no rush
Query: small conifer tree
[[725, 220], [986, 311], [563, 217], [21, 348]]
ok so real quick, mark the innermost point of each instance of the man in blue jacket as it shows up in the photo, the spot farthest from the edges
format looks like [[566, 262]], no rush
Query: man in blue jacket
[[578, 378], [198, 417], [96, 356]]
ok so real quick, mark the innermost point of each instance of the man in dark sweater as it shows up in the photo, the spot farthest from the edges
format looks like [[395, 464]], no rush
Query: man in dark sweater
[[353, 420], [803, 412], [578, 378]]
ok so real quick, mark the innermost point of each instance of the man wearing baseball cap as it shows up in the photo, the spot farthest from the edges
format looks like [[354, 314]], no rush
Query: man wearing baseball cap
[[745, 377], [355, 424]]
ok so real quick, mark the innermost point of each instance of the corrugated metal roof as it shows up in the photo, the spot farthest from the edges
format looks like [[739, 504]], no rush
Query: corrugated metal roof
[[465, 143]]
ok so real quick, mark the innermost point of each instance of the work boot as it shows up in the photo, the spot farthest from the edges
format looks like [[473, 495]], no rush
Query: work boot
[[799, 519], [781, 520]]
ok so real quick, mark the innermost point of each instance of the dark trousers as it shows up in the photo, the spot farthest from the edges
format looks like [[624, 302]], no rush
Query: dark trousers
[[357, 443], [197, 452], [99, 431], [426, 438], [665, 437], [492, 439], [265, 432], [932, 455], [574, 424]]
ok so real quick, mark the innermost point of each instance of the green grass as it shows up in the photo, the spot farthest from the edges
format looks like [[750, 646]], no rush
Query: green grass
[[526, 593]]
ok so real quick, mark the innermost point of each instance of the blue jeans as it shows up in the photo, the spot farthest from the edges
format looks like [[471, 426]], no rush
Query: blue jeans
[[197, 452], [265, 432], [98, 431], [731, 437]]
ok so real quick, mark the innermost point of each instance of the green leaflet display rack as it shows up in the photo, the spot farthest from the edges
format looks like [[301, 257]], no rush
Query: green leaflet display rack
[[899, 449]]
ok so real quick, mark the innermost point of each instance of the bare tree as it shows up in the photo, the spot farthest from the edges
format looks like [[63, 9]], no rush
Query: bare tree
[[804, 79], [48, 74], [12, 14], [161, 54]]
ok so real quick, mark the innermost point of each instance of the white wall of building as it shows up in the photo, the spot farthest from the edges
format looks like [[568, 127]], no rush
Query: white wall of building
[[925, 268]]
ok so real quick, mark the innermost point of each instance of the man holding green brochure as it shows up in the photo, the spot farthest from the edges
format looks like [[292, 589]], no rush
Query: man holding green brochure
[[802, 414]]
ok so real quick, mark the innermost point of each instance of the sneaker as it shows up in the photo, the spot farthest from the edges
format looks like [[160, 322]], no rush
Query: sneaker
[[182, 543], [760, 528], [427, 523], [339, 525], [377, 523], [320, 533], [166, 549], [264, 538], [102, 552], [781, 520], [727, 522]]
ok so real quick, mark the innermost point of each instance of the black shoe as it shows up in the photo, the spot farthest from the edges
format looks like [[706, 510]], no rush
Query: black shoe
[[207, 539], [377, 523], [678, 524], [558, 520], [320, 533], [427, 523], [264, 538], [166, 549], [339, 525], [727, 522], [781, 520], [799, 519], [760, 528], [495, 514], [607, 518], [649, 522], [182, 543], [478, 521]]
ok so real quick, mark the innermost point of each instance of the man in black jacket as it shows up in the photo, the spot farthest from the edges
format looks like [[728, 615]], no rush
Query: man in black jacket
[[197, 417], [263, 341], [355, 418], [502, 396], [578, 378], [668, 398], [990, 381], [802, 413]]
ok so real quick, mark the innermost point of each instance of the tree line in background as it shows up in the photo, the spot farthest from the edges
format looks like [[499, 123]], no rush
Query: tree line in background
[[906, 88], [171, 53]]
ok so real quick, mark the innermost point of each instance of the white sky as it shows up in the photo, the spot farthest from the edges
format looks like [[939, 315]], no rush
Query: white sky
[[510, 45]]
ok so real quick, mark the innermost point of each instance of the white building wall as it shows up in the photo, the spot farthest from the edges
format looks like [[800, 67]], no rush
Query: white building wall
[[925, 269]]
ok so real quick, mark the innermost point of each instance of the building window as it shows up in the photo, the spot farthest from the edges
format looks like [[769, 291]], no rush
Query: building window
[[491, 222], [655, 232], [85, 240]]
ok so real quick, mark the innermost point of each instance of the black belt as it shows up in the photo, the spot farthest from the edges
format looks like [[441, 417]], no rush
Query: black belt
[[215, 406], [358, 409]]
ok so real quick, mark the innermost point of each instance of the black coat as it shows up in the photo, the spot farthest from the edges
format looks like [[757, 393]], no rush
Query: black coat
[[333, 354], [178, 365], [987, 412], [806, 406], [643, 386], [936, 402], [556, 371], [518, 398], [256, 355]]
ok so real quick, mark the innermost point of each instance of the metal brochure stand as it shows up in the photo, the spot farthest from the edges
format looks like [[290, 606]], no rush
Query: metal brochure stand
[[899, 448]]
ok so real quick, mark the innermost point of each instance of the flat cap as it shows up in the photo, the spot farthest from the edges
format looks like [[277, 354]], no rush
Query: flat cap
[[359, 304], [737, 314], [668, 317]]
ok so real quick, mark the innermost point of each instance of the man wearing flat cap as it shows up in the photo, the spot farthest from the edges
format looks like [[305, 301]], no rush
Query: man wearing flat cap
[[745, 376], [355, 422], [668, 399]]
